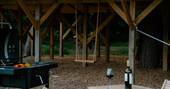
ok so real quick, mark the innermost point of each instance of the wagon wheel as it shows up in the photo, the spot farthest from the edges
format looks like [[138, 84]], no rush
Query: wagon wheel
[[11, 47]]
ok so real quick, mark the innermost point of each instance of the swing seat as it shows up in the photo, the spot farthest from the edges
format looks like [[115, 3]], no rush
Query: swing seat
[[166, 84], [86, 61]]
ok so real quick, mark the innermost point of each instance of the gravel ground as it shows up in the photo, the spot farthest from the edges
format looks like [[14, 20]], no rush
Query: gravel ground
[[71, 75]]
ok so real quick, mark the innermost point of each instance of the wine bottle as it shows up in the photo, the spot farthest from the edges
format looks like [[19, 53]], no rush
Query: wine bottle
[[128, 77]]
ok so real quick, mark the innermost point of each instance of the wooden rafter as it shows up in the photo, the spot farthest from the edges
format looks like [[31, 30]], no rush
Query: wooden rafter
[[27, 12], [69, 29], [31, 17], [133, 9], [127, 13], [47, 28], [30, 35], [49, 12], [26, 29], [69, 25], [145, 12], [100, 28], [117, 9]]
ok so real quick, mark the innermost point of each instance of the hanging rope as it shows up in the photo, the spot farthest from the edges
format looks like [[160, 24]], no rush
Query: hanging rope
[[96, 37], [77, 51], [150, 36]]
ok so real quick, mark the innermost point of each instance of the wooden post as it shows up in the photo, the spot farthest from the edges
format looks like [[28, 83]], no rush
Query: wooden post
[[37, 34], [98, 46], [84, 40], [131, 53], [130, 16], [166, 28], [61, 40], [107, 45], [132, 37], [51, 43], [32, 42], [20, 35]]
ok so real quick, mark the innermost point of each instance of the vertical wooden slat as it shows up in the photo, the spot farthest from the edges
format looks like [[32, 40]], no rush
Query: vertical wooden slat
[[98, 46], [166, 20], [61, 40], [107, 45], [20, 36], [51, 43], [84, 39]]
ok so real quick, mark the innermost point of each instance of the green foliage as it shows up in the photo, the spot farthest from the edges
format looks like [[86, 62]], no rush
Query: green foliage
[[119, 48]]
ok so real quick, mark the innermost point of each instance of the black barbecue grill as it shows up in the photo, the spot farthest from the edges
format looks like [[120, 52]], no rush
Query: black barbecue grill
[[19, 77]]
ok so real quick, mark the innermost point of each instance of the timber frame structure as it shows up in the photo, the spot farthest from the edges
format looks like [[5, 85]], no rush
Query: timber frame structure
[[38, 11]]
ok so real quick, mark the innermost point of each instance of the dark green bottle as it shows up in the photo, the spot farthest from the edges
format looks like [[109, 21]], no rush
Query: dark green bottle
[[128, 77]]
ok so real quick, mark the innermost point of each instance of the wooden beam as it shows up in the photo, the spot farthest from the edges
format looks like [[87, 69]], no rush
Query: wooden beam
[[68, 24], [27, 12], [131, 53], [26, 29], [61, 40], [47, 28], [100, 28], [84, 39], [107, 45], [51, 43], [19, 25], [37, 35], [127, 13], [133, 9], [46, 2], [132, 37], [166, 20], [98, 47], [69, 29], [31, 35], [48, 13], [117, 9], [145, 12]]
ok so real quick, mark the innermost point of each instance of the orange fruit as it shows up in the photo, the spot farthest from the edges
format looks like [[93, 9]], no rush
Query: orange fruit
[[27, 65]]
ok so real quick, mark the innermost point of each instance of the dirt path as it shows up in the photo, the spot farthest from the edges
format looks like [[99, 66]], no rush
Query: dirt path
[[71, 75]]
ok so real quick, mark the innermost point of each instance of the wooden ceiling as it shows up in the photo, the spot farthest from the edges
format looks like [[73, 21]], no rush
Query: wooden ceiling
[[66, 6]]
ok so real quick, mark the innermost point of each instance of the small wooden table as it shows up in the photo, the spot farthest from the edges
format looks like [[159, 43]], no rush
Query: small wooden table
[[117, 87]]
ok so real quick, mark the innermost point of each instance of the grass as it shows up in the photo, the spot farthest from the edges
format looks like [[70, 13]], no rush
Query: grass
[[117, 48]]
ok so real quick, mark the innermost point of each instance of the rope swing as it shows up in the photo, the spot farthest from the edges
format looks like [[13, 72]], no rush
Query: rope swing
[[96, 37], [96, 33], [77, 51]]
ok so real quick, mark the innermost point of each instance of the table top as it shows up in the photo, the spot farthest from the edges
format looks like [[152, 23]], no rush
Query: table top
[[117, 87]]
